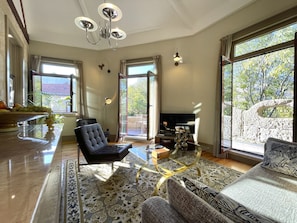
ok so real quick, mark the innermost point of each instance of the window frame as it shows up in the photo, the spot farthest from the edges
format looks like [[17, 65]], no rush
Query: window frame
[[73, 78], [276, 22], [152, 111]]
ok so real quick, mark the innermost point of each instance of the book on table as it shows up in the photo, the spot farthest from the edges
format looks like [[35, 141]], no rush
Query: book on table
[[161, 153]]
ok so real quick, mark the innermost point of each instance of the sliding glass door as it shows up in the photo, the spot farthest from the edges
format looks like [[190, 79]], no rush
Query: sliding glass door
[[258, 92]]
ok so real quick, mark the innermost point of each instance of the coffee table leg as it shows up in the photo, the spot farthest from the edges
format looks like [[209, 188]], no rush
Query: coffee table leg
[[159, 184], [138, 174], [198, 172], [169, 173]]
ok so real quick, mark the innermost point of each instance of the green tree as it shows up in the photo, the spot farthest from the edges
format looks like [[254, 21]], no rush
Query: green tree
[[137, 97], [227, 85], [269, 76], [265, 77]]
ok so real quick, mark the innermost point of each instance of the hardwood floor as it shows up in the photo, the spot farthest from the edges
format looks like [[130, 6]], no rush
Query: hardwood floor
[[241, 167], [69, 151]]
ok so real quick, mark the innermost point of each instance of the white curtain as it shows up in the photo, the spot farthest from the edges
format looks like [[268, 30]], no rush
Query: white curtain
[[35, 63], [225, 55], [82, 102], [122, 74], [157, 99]]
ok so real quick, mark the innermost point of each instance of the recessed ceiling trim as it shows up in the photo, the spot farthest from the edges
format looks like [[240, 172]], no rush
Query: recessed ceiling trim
[[171, 19], [83, 7], [179, 8]]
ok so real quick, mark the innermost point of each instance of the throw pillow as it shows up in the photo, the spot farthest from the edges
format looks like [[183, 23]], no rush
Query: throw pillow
[[201, 190], [280, 156], [227, 206]]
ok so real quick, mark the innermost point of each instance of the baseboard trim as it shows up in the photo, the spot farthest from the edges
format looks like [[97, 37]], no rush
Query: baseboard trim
[[70, 138], [206, 147], [244, 157]]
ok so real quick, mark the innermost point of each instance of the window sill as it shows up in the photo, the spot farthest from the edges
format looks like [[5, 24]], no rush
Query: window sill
[[245, 157], [67, 114]]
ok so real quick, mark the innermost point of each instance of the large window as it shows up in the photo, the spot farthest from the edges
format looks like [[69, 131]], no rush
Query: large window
[[55, 86], [258, 89]]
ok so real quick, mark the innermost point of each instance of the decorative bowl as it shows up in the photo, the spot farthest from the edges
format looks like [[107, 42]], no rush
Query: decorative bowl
[[9, 120]]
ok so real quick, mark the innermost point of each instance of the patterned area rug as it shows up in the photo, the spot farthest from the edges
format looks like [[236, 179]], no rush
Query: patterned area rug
[[98, 194]]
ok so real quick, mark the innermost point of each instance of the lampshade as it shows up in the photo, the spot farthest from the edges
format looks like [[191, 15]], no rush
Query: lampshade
[[108, 101]]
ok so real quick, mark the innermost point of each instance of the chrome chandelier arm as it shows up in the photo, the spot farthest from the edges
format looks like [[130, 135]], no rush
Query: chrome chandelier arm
[[89, 41], [110, 13]]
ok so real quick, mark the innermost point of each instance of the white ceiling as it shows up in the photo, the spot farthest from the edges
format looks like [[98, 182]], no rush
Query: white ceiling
[[144, 21]]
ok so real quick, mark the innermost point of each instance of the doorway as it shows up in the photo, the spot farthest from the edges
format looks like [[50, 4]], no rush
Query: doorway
[[138, 100]]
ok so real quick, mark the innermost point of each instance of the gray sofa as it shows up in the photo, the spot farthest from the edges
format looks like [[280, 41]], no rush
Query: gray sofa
[[266, 193]]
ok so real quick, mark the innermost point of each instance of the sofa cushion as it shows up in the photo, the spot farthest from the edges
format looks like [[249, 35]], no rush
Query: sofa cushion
[[267, 193], [227, 206], [280, 156]]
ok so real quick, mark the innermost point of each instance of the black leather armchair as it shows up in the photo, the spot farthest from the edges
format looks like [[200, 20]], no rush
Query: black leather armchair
[[85, 121], [95, 148]]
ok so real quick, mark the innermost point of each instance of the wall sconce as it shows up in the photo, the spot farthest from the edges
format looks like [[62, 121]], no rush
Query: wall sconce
[[108, 101], [101, 66], [177, 59]]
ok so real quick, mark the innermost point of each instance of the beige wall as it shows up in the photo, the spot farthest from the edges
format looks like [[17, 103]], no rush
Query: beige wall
[[184, 86]]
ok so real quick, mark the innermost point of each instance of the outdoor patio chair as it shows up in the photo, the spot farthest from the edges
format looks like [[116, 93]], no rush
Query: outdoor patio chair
[[93, 144]]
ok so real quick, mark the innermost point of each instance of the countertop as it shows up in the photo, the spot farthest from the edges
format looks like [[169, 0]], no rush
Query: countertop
[[26, 158]]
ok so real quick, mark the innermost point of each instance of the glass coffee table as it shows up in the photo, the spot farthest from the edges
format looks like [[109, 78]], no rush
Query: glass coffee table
[[177, 162]]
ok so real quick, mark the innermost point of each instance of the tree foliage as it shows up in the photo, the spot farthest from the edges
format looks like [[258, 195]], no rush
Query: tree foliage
[[137, 97], [265, 77]]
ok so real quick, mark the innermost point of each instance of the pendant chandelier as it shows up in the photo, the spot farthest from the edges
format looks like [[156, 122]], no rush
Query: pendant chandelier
[[110, 13]]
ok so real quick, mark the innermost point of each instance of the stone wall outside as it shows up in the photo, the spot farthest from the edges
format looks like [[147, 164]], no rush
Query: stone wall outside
[[251, 127]]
